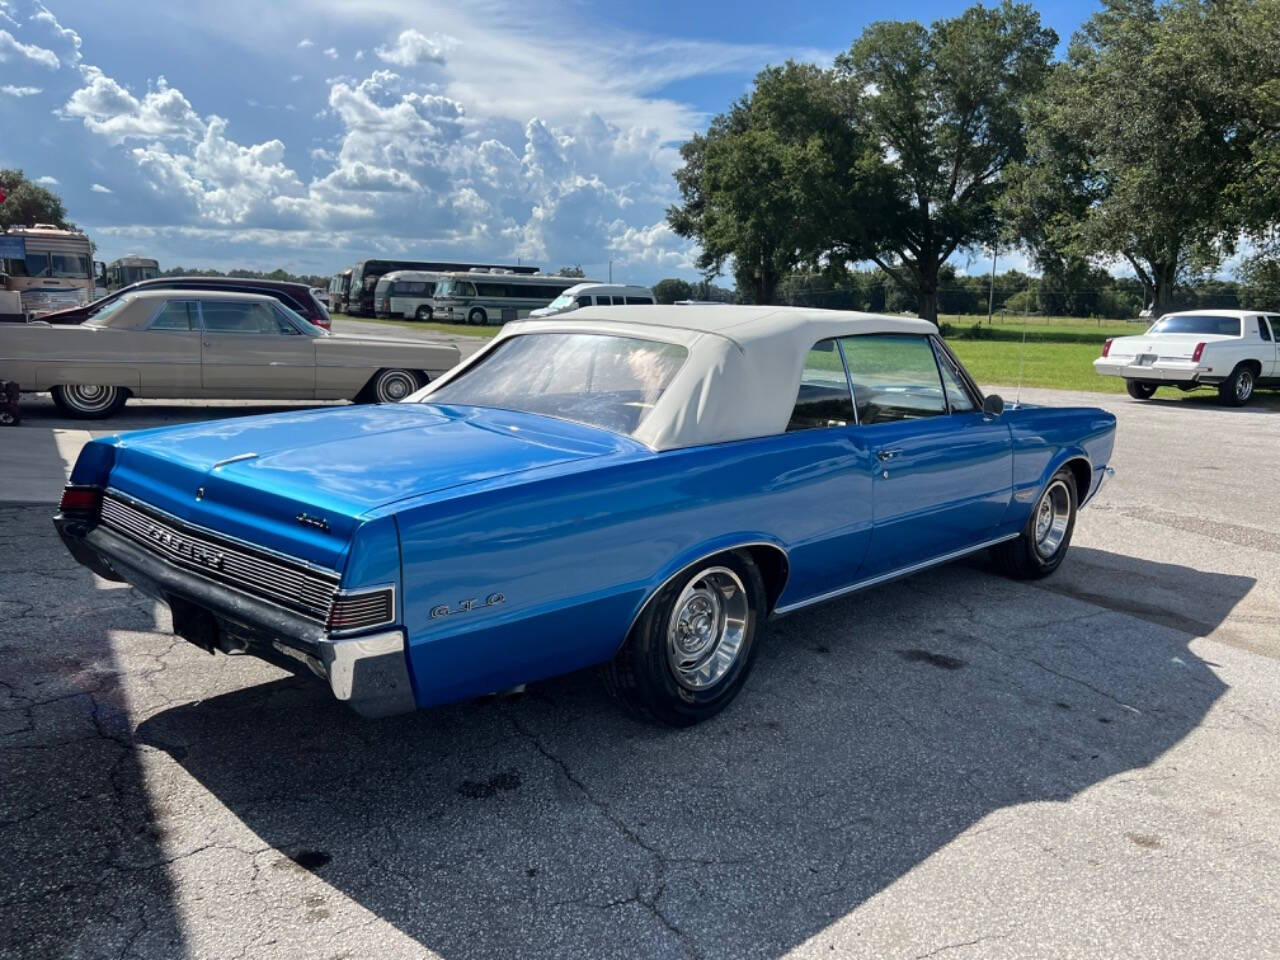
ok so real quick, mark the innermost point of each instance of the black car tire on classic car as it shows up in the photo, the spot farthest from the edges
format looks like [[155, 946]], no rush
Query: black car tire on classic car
[[693, 644], [1043, 543]]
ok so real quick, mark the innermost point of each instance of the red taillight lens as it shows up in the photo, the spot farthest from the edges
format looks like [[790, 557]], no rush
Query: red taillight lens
[[84, 499], [1106, 347], [1195, 357]]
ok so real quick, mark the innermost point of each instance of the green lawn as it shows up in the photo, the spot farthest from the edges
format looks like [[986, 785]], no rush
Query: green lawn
[[1015, 322], [462, 329], [1061, 366]]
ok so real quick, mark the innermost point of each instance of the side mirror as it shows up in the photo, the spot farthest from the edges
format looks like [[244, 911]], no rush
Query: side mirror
[[993, 406]]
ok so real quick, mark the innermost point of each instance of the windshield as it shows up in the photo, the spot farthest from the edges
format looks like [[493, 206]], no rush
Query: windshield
[[70, 265], [102, 316], [602, 381], [1222, 326], [455, 288], [562, 302]]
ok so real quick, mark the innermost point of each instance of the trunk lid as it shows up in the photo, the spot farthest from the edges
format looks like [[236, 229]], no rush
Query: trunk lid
[[300, 483], [1173, 346]]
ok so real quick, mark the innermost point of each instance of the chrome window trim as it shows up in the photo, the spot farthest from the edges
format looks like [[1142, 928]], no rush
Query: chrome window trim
[[155, 314]]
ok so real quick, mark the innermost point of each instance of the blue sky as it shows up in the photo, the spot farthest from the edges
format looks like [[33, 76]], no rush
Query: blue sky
[[310, 134]]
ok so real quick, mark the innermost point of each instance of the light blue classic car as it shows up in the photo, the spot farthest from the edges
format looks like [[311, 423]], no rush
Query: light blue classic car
[[638, 488]]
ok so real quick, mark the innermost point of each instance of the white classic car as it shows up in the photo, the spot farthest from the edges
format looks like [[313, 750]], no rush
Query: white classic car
[[1233, 351]]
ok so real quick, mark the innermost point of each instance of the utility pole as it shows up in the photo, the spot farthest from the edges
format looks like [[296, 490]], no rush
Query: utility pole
[[991, 290], [611, 271]]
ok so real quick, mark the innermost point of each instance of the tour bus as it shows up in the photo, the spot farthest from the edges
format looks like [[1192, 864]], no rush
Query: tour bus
[[405, 294], [127, 270], [365, 274], [49, 268], [597, 294], [338, 289], [481, 296]]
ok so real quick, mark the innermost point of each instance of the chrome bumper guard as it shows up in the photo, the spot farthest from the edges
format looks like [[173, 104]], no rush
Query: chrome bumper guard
[[370, 673]]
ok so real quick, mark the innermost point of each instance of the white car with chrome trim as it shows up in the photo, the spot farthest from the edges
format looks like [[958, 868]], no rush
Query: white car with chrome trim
[[1233, 351]]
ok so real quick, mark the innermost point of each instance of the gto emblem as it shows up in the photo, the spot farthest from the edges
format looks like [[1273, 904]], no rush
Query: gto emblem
[[186, 548], [466, 606], [320, 523]]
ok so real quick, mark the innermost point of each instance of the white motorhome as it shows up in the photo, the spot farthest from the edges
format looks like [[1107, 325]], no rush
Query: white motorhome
[[596, 294], [482, 296], [49, 268], [406, 294]]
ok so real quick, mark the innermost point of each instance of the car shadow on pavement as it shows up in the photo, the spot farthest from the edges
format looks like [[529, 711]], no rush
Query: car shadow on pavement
[[873, 732], [82, 870]]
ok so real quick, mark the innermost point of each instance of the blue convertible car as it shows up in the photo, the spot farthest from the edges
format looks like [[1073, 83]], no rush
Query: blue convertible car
[[638, 488]]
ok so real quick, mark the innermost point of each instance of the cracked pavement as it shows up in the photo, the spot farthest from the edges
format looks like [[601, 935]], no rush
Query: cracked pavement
[[954, 765]]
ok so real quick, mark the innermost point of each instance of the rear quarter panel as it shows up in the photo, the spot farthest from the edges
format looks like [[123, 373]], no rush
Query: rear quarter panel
[[1044, 438], [39, 357], [574, 556]]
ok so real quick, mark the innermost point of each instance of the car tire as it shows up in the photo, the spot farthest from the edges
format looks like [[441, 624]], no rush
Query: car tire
[[1042, 545], [422, 314], [1237, 389], [89, 401], [391, 385], [477, 317], [692, 647], [1140, 389]]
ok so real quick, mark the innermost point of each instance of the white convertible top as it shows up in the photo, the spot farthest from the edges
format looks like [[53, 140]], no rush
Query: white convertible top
[[743, 370]]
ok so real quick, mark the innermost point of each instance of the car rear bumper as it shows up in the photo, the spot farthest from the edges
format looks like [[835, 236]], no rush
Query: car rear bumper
[[1162, 371], [369, 672]]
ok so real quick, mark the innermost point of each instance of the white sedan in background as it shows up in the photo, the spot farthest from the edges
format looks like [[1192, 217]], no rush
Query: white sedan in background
[[1233, 351]]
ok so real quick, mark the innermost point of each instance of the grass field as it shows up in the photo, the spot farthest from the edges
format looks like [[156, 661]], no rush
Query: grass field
[[1042, 325], [1061, 366]]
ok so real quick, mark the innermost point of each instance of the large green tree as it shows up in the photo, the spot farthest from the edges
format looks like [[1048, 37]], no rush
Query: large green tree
[[1149, 144], [944, 107], [756, 187], [27, 203]]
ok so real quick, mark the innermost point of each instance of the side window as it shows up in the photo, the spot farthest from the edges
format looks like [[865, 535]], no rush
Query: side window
[[895, 377], [175, 315], [958, 399], [603, 300], [1275, 327], [824, 399], [1263, 332], [225, 316], [584, 301], [634, 300]]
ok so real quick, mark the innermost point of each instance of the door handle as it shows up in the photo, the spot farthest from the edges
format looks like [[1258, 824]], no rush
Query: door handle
[[887, 454]]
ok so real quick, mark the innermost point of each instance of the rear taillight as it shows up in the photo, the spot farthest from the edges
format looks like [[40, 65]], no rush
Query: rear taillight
[[1106, 347], [80, 499], [1195, 356], [361, 610]]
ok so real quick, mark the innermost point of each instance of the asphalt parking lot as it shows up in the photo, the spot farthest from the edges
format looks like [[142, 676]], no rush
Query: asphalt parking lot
[[954, 765]]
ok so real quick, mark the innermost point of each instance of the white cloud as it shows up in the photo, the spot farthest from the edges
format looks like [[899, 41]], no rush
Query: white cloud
[[655, 246], [413, 48], [47, 181], [65, 35], [295, 78], [9, 44], [304, 43], [331, 53], [99, 188], [110, 110], [359, 56], [10, 90]]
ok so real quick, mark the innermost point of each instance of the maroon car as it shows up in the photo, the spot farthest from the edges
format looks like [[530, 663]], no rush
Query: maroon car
[[296, 296]]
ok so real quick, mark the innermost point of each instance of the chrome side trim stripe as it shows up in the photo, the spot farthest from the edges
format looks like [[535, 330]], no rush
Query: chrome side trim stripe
[[892, 575]]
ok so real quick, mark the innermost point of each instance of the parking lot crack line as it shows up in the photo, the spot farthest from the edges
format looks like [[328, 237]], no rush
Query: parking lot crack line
[[956, 946]]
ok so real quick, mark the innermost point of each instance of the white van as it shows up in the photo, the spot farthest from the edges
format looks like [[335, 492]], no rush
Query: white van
[[596, 294], [405, 294]]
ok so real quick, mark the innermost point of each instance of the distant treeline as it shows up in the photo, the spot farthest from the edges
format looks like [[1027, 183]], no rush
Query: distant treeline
[[311, 280]]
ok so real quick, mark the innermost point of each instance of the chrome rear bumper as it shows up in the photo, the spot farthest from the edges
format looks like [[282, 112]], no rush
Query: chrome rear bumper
[[370, 672]]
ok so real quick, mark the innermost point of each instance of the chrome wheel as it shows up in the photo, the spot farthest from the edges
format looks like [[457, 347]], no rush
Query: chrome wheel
[[707, 626], [89, 398], [394, 385], [1244, 385], [1053, 515]]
